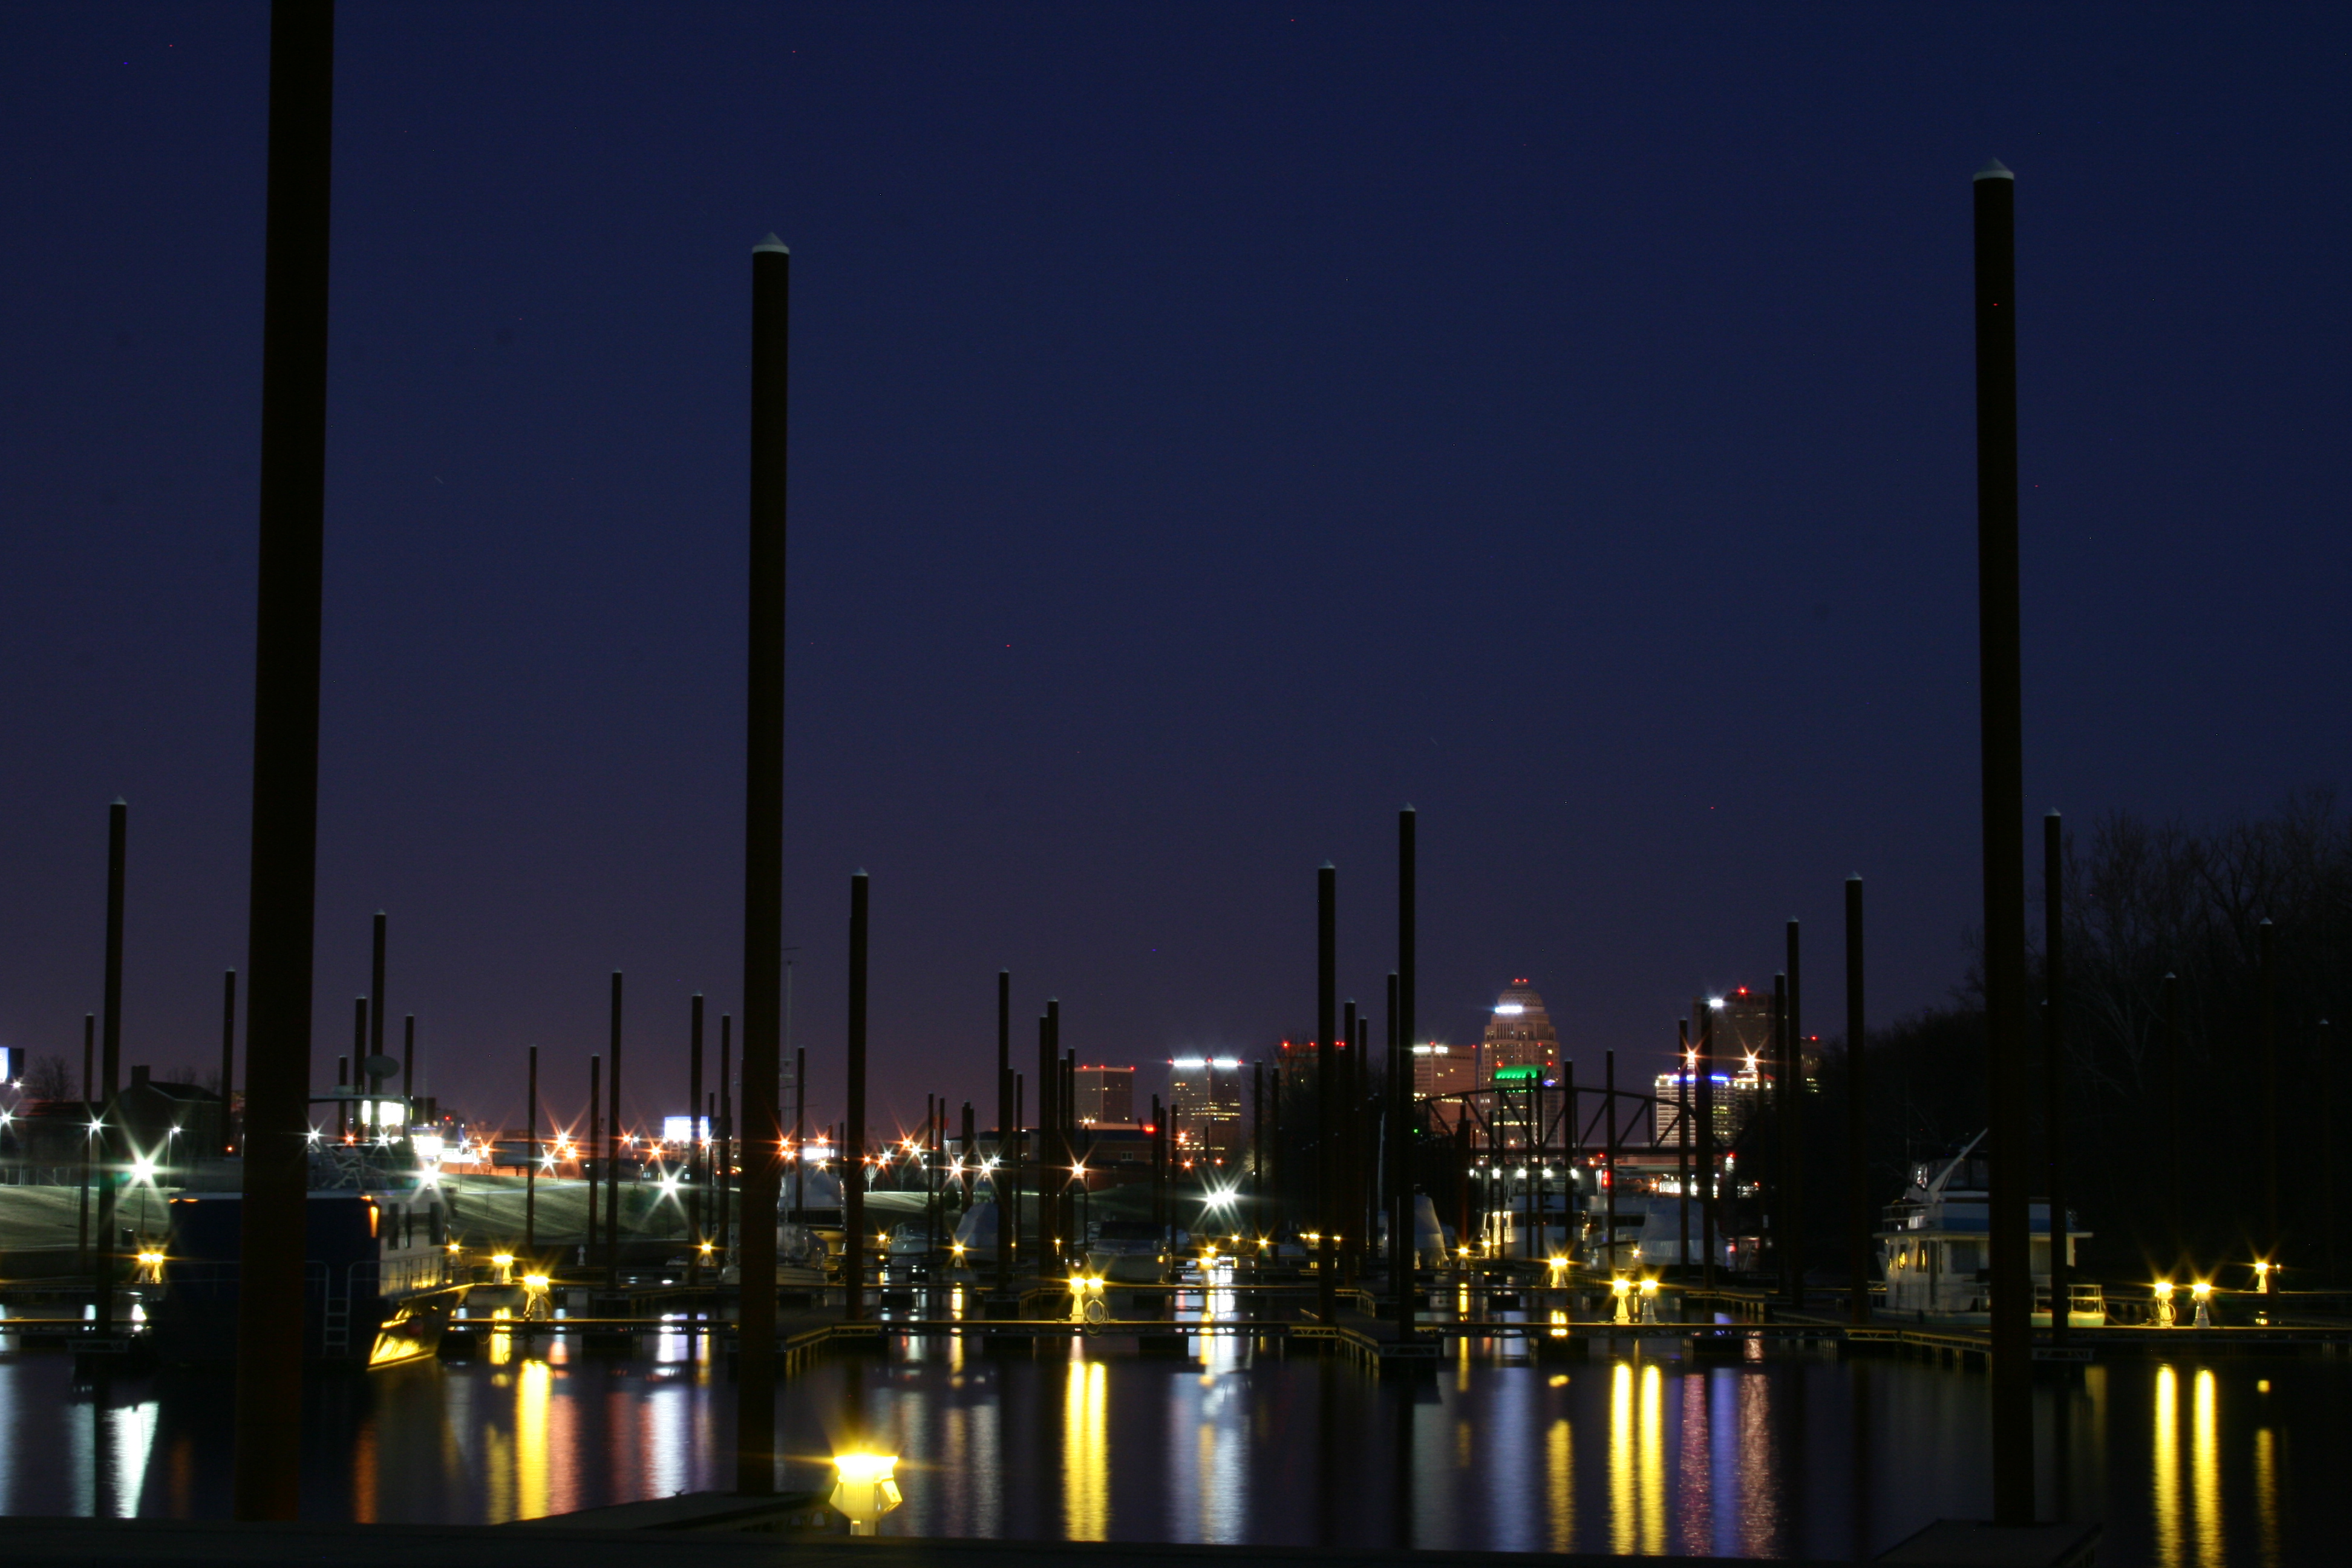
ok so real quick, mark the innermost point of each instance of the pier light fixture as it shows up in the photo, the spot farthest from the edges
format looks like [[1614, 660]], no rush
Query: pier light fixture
[[98, 1127], [2263, 1274], [142, 1169], [865, 1491], [535, 1283]]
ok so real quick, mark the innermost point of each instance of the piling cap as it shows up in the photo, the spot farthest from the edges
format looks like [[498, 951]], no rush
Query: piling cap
[[771, 244], [1996, 170]]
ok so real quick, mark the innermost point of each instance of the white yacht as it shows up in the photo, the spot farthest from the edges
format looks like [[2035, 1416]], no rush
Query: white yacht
[[1934, 1251]]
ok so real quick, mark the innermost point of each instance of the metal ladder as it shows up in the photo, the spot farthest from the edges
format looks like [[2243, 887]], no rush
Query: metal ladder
[[335, 1327]]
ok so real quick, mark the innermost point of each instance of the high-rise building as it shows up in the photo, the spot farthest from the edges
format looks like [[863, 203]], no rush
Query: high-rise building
[[1205, 1110], [1519, 1035], [1103, 1096], [1441, 1069], [1743, 1064], [1736, 1097]]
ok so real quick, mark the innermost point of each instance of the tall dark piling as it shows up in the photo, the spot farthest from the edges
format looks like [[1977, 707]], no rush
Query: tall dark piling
[[1857, 1158], [763, 874], [612, 1148], [724, 1128], [1609, 1156], [697, 1174], [375, 1002], [1326, 1025], [363, 1111], [90, 1126], [407, 1065], [2001, 713], [1018, 1160], [1705, 1133], [530, 1157], [1049, 1216], [1343, 1189], [2266, 960], [229, 1062], [1794, 1171], [281, 887], [2053, 1061], [1784, 1129], [110, 1141], [1258, 1188], [853, 1157], [1402, 1217], [591, 1150], [1684, 1060], [999, 1174], [1397, 1179]]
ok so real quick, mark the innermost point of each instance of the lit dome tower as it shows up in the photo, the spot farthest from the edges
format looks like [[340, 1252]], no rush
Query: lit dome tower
[[1519, 1035]]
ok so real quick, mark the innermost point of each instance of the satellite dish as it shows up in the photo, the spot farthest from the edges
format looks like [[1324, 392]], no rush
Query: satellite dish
[[378, 1069]]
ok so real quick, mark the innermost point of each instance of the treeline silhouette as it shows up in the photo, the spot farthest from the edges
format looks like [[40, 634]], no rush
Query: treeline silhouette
[[2145, 899]]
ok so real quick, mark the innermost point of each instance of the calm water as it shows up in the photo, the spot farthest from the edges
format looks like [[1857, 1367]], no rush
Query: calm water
[[1795, 1454]]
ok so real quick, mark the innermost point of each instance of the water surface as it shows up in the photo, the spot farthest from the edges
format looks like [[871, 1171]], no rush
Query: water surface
[[1793, 1454]]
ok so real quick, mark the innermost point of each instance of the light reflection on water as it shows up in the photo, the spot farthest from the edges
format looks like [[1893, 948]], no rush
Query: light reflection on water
[[1795, 1455]]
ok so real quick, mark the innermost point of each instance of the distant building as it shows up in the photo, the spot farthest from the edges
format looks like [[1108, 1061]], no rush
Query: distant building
[[1204, 1108], [1735, 1098], [1103, 1096], [1743, 1028], [1519, 1035], [1442, 1069]]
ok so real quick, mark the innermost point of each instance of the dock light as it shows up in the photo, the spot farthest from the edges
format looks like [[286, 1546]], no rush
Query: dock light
[[453, 1249], [142, 1169], [864, 1491], [1649, 1300], [2263, 1274], [536, 1283], [1559, 1324], [707, 1249], [1622, 1289], [2201, 1293], [151, 1265], [504, 1263]]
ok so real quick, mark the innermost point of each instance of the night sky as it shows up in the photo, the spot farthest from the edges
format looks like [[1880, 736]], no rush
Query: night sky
[[1213, 427]]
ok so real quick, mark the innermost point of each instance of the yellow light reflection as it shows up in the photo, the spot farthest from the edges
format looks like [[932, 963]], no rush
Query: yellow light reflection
[[2266, 1492], [532, 1383], [1560, 1489], [1651, 1477], [1085, 1453], [2205, 1469], [2167, 1468], [1620, 1460]]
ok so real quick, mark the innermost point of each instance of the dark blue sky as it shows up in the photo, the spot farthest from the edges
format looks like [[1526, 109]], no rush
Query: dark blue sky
[[1213, 427]]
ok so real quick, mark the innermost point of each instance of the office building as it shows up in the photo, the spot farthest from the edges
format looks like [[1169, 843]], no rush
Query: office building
[[1103, 1096], [1519, 1035], [1204, 1109]]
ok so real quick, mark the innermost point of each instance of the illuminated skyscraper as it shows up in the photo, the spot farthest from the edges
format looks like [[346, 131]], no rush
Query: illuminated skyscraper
[[1441, 1069], [1519, 1035], [1204, 1108]]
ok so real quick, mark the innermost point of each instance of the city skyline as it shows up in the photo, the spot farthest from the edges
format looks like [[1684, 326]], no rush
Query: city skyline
[[1051, 680]]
